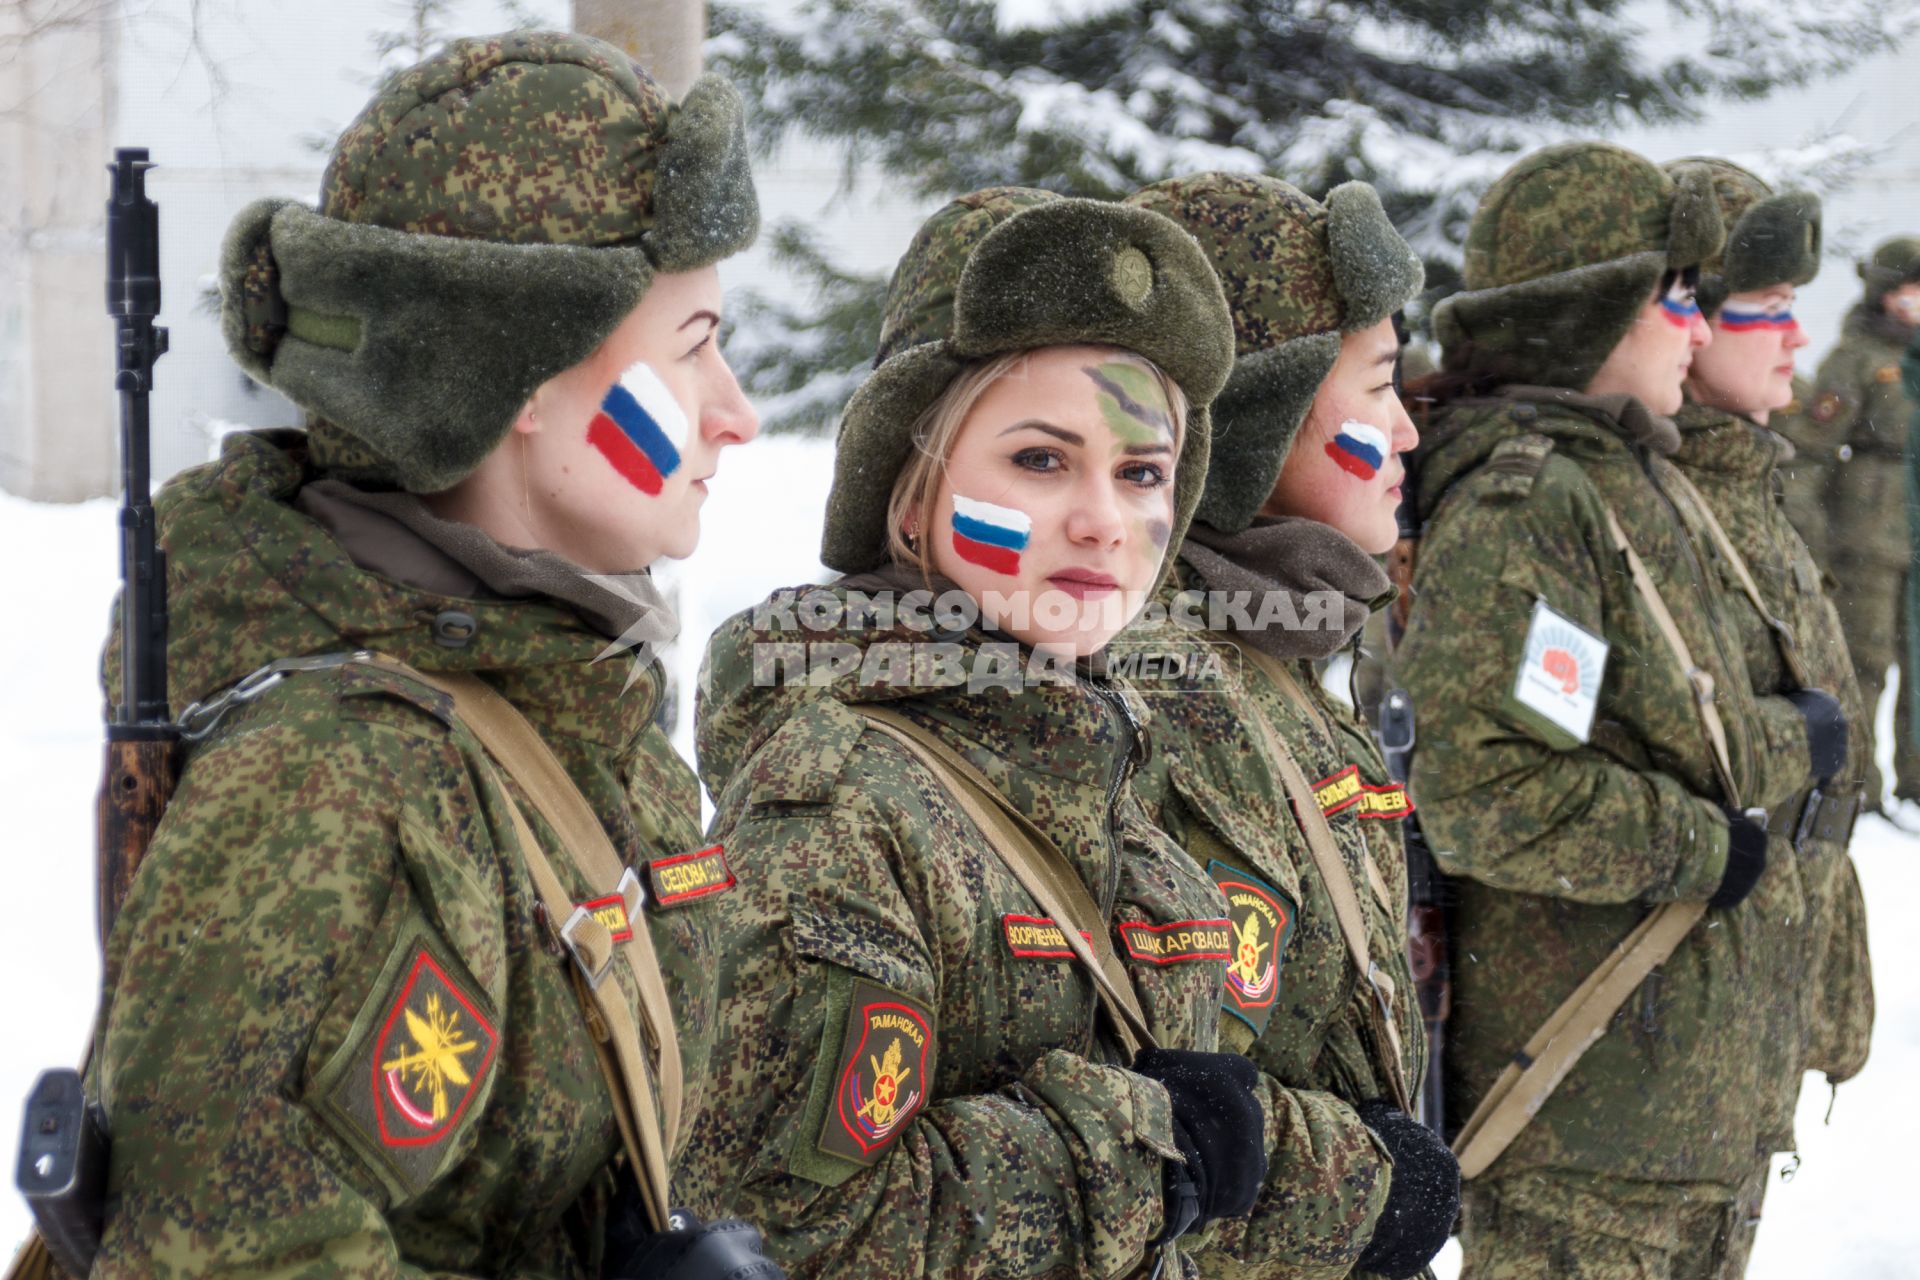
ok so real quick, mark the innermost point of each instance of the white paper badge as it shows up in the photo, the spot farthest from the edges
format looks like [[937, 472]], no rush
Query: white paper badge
[[1560, 673]]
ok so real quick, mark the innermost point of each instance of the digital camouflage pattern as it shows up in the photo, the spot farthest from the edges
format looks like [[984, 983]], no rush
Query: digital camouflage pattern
[[290, 1084], [1033, 1152], [1212, 787], [1603, 201], [1559, 847], [1267, 242], [926, 281], [553, 139], [1731, 461], [1858, 416]]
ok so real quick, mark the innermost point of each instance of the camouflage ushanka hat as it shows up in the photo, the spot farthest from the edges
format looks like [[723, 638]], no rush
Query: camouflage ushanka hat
[[1771, 238], [1562, 253], [1298, 275], [1010, 269], [490, 217], [1894, 263]]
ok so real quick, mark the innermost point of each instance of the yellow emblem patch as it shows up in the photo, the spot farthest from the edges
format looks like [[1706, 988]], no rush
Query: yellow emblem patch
[[1261, 920], [1887, 373]]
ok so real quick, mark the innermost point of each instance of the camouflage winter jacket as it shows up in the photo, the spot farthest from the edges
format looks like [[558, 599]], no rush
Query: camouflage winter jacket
[[1292, 1001], [336, 1040], [1571, 788], [906, 1076], [1856, 424], [1731, 461]]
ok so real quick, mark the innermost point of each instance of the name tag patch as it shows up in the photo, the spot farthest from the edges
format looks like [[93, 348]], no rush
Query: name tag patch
[[1037, 938], [1172, 943], [1347, 792], [687, 876], [611, 913], [1260, 919], [885, 1072], [1560, 671]]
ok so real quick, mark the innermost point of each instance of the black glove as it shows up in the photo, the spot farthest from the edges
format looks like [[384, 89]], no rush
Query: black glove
[[1826, 730], [1218, 1126], [725, 1250], [1746, 859], [1423, 1199]]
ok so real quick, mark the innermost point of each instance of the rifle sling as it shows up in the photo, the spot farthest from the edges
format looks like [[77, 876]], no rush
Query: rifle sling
[[1040, 867], [1782, 632], [1581, 1019], [523, 756], [1325, 848]]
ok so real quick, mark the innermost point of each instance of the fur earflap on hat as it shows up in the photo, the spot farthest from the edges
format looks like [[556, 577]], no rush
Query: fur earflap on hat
[[1772, 238], [488, 219], [1010, 269], [1894, 262], [1298, 274], [1562, 253]]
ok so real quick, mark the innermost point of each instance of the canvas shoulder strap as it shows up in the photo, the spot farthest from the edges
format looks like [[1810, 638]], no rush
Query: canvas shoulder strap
[[633, 1074], [1556, 1048], [1325, 850], [1039, 866], [1782, 631]]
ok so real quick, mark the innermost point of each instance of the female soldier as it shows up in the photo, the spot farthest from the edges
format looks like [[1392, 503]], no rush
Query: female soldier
[[1312, 290], [341, 1034], [1791, 634], [909, 1077], [1594, 765]]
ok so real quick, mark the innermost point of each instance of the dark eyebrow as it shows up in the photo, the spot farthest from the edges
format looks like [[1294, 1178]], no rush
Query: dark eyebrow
[[1388, 356], [1145, 450], [1058, 433], [708, 316]]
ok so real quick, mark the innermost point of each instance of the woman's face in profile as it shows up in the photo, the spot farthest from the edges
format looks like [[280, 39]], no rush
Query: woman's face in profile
[[1056, 504]]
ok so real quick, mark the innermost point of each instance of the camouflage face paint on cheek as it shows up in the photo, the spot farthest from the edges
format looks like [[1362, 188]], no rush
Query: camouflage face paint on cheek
[[640, 429], [1131, 403], [1359, 449], [989, 536]]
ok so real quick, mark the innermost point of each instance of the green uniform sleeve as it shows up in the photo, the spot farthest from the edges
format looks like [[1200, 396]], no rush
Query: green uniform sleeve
[[983, 1160], [1506, 798], [273, 904]]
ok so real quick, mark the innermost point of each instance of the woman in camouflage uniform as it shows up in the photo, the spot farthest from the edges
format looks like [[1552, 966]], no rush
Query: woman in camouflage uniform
[[909, 1075], [1726, 450], [1313, 289], [339, 1035], [1566, 776]]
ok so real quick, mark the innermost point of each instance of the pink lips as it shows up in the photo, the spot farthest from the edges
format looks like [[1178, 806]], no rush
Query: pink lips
[[1081, 583]]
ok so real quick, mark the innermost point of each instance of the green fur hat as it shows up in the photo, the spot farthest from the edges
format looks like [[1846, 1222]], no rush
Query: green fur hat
[[484, 224], [1298, 274], [1771, 238], [1562, 253], [1009, 269], [1894, 263]]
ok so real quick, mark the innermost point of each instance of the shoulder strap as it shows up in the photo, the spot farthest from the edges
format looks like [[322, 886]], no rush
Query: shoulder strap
[[1282, 675], [1782, 632], [1556, 1048], [1039, 866], [1325, 849], [1697, 676], [518, 750]]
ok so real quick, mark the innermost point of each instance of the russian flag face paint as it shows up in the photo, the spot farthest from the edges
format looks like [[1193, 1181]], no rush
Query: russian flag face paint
[[1359, 449], [1737, 319], [989, 536], [1678, 306], [640, 429]]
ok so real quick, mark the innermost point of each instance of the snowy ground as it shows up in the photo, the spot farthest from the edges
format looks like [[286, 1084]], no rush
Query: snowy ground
[[1846, 1214]]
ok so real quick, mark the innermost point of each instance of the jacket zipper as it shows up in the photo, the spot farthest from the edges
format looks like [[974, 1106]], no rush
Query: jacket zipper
[[1110, 890]]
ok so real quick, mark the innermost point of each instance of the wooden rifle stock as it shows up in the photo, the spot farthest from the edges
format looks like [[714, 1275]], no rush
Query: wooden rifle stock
[[134, 790]]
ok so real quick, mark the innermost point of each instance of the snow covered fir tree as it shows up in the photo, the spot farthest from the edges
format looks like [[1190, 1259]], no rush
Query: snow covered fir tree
[[1428, 100]]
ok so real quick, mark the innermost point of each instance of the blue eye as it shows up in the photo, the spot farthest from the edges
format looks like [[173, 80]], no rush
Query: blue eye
[[1037, 459]]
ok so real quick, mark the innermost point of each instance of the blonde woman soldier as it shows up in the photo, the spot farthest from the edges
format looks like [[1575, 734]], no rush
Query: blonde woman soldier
[[929, 1054]]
